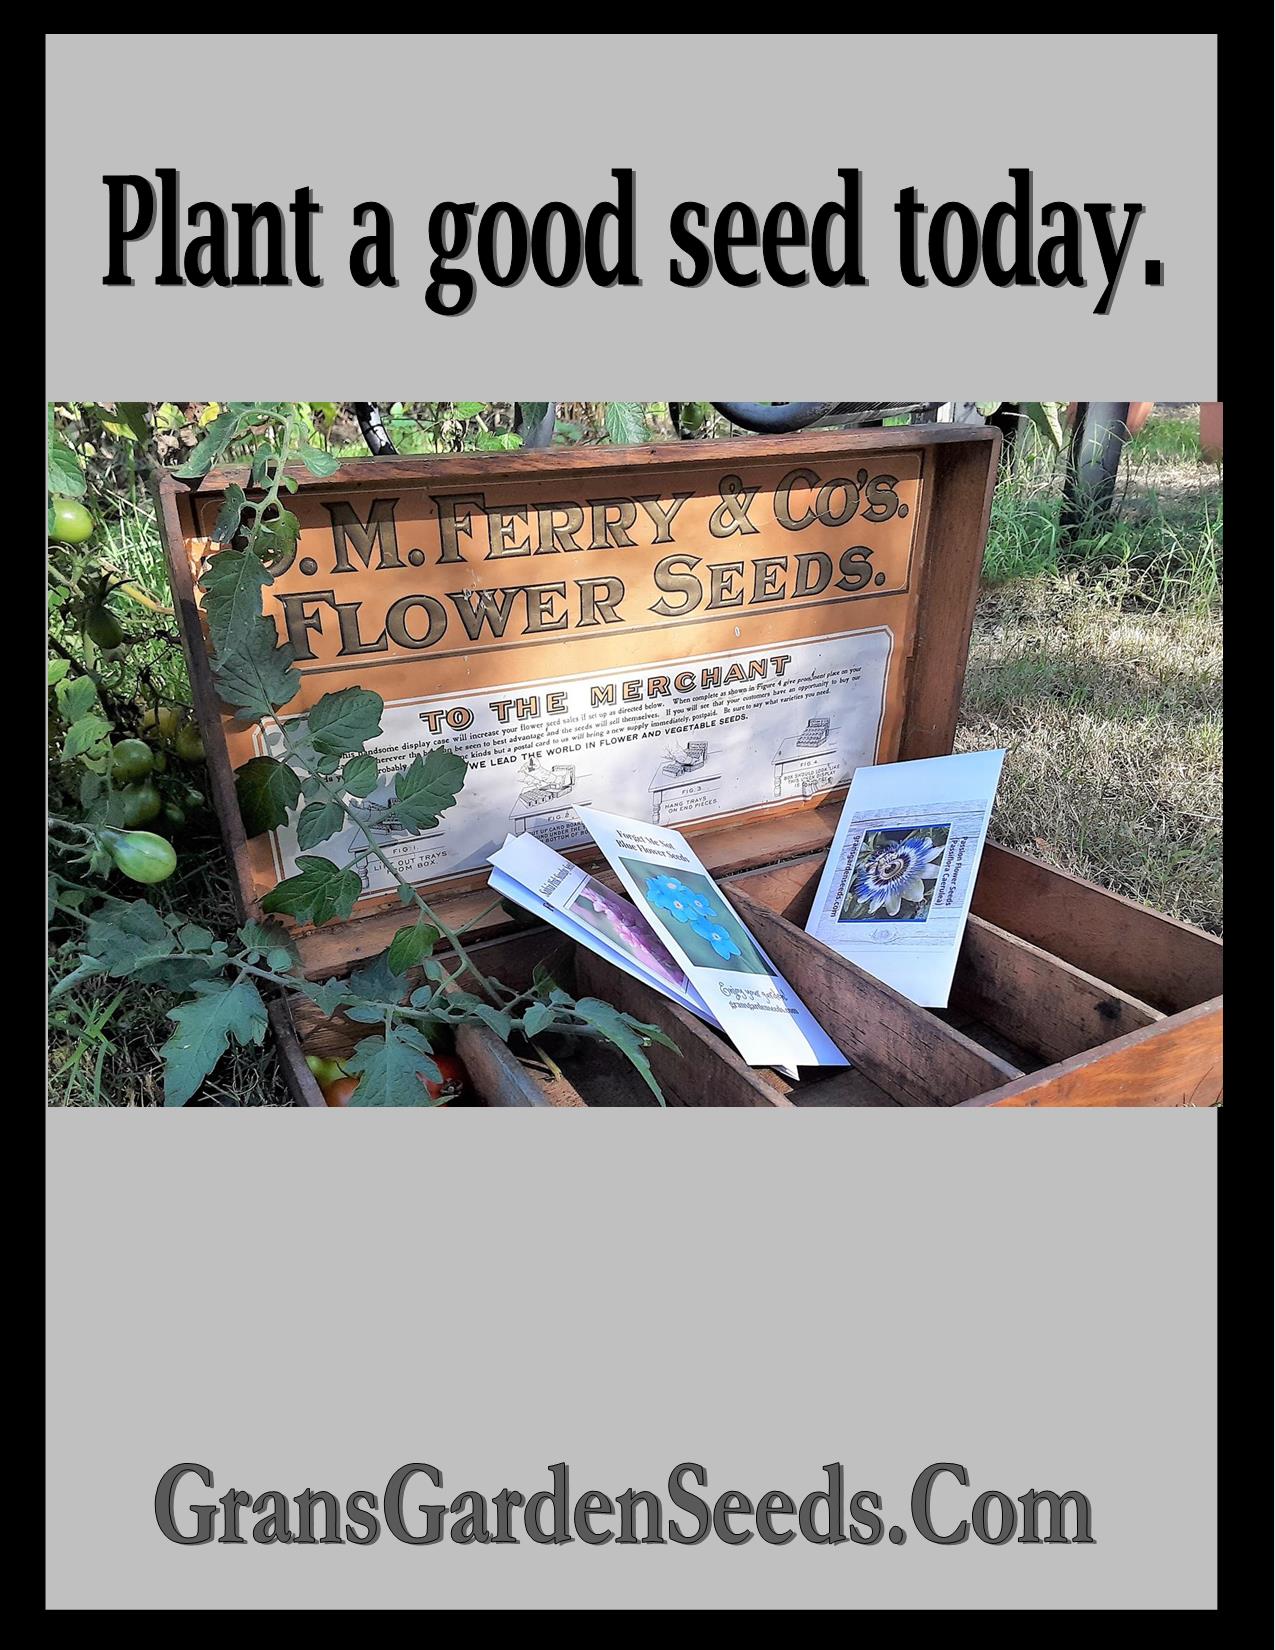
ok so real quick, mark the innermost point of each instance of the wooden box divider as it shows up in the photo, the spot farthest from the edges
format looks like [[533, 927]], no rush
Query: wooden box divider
[[1026, 1027]]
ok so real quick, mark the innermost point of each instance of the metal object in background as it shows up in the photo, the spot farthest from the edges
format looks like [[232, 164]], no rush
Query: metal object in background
[[374, 431], [782, 417], [1098, 436], [539, 431]]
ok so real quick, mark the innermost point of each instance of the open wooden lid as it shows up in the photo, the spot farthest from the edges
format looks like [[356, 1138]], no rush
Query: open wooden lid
[[711, 634]]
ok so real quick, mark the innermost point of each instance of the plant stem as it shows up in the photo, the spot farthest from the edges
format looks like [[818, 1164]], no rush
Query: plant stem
[[333, 794]]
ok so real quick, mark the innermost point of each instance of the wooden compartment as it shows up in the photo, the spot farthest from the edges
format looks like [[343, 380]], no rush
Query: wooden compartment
[[1064, 994], [1028, 1025]]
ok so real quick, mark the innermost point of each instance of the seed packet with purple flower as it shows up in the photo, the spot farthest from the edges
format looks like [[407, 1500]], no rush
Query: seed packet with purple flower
[[899, 877]]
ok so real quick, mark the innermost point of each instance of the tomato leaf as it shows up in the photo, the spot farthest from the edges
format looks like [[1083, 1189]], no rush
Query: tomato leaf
[[84, 735], [428, 787], [627, 1034], [327, 995], [126, 421], [537, 1019], [215, 441], [344, 721], [372, 987], [319, 892], [75, 698], [317, 822], [217, 1012], [120, 939], [360, 775], [494, 1018], [377, 981], [266, 790], [390, 1069], [258, 677], [232, 583], [276, 539], [410, 945], [65, 474], [264, 939], [318, 461], [230, 516]]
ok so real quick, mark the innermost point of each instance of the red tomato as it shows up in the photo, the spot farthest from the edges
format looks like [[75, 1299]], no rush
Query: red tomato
[[338, 1093], [453, 1084]]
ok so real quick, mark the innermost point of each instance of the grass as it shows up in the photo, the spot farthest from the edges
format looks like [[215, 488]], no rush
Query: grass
[[1098, 665]]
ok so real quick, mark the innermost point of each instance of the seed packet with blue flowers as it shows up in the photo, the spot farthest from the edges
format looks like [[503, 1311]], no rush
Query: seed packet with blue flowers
[[745, 993], [897, 884]]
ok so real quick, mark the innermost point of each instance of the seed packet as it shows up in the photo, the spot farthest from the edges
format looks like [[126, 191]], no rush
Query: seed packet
[[538, 878], [744, 991], [897, 884]]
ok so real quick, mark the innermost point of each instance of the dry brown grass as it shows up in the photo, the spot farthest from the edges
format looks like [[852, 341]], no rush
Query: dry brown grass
[[1102, 677]]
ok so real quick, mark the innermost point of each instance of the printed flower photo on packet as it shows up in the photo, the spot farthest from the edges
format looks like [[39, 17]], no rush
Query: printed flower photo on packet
[[691, 908], [895, 874]]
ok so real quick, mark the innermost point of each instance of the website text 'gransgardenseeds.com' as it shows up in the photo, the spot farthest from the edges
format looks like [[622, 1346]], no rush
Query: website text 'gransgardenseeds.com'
[[942, 1510]]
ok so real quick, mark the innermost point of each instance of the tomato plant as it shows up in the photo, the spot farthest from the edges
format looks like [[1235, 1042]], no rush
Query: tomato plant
[[324, 1071], [131, 759], [140, 803], [71, 523], [102, 626], [160, 723], [142, 856], [188, 744], [451, 1083], [123, 743]]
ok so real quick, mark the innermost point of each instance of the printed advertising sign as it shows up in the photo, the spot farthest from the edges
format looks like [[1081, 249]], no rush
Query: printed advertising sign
[[682, 643]]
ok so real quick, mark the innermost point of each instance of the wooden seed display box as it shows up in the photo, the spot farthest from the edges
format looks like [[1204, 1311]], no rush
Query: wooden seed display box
[[718, 632]]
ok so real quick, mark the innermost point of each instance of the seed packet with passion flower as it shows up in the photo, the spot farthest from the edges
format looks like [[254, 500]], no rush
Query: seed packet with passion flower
[[746, 994], [899, 877], [536, 877]]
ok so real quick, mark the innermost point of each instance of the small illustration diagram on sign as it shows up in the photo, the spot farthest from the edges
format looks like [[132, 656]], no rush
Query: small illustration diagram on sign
[[543, 805], [809, 763], [684, 782]]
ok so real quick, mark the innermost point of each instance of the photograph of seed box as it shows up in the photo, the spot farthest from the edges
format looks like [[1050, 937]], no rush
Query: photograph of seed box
[[592, 604]]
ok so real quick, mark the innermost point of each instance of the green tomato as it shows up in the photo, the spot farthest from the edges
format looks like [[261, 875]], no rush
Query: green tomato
[[174, 816], [103, 628], [141, 855], [188, 745], [160, 725], [72, 523], [325, 1071], [142, 803], [131, 759]]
